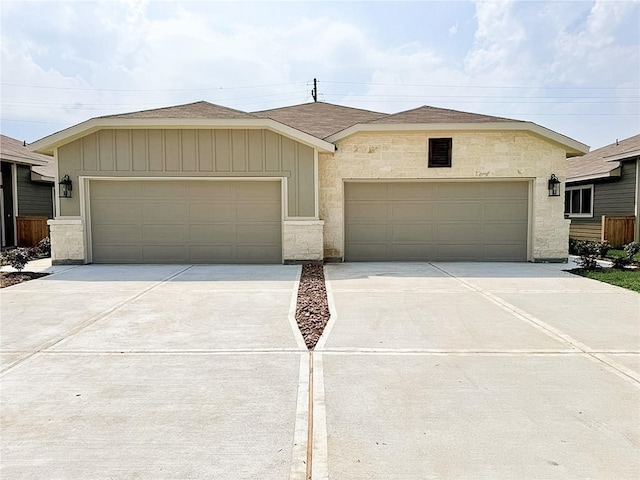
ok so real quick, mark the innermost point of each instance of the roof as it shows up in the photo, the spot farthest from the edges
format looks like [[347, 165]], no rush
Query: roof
[[603, 162], [200, 109], [320, 119], [16, 151], [426, 114], [318, 125]]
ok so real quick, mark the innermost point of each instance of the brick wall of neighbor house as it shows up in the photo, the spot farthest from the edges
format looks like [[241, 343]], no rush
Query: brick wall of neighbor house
[[476, 156], [302, 240], [67, 241]]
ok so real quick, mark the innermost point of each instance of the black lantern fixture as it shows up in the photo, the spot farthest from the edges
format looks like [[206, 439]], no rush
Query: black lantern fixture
[[554, 186], [66, 187]]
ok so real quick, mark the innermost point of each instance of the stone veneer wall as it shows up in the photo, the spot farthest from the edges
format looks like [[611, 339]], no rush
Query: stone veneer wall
[[67, 241], [477, 155], [302, 240]]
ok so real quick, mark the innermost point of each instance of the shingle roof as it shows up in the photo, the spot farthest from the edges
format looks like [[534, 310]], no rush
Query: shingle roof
[[15, 151], [598, 161], [319, 119], [426, 114], [191, 110]]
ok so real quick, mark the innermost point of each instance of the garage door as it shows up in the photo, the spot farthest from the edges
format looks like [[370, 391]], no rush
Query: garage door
[[461, 221], [186, 221]]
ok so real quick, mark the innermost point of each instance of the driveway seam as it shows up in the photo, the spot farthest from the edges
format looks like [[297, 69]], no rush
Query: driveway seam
[[619, 370], [56, 340]]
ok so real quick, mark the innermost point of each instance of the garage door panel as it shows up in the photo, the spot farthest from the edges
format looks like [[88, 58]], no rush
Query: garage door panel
[[116, 212], [456, 191], [163, 234], [436, 221], [417, 212], [171, 212], [459, 211], [118, 253], [257, 211], [370, 210], [413, 191], [116, 190], [265, 233], [183, 221], [411, 252], [504, 233], [416, 233], [513, 211], [212, 212], [504, 252], [114, 234], [163, 190]]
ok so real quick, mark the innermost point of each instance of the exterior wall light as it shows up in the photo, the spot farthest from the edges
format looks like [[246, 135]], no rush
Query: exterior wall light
[[554, 186], [66, 187]]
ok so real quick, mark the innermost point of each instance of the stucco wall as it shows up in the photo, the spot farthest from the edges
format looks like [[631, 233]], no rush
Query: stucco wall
[[477, 156]]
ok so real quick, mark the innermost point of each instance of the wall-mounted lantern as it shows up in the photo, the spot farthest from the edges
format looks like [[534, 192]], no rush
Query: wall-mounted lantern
[[554, 186], [66, 187]]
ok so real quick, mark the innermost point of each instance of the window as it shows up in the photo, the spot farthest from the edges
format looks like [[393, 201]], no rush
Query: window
[[440, 152], [578, 201]]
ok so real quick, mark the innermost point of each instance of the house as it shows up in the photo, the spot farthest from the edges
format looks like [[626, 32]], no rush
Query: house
[[202, 183], [602, 196], [27, 193]]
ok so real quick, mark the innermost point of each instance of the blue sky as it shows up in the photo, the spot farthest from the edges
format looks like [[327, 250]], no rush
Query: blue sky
[[571, 66]]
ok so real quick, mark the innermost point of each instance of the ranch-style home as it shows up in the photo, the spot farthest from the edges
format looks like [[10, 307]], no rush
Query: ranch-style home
[[201, 183]]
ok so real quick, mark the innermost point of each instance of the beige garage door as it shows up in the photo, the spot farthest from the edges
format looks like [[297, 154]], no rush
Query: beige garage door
[[186, 221], [465, 221]]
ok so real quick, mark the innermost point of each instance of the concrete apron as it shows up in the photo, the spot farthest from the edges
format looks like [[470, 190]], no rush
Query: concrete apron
[[476, 371], [154, 372]]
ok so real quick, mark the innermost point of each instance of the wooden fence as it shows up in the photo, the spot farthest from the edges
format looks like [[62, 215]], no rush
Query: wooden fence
[[618, 231], [31, 230]]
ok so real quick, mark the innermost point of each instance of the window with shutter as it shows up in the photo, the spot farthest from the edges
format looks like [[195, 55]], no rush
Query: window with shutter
[[440, 152]]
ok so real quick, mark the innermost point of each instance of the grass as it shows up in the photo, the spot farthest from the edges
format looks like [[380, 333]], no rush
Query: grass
[[629, 279], [618, 253]]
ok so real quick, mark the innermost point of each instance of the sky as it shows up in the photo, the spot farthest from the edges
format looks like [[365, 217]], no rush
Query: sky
[[570, 66]]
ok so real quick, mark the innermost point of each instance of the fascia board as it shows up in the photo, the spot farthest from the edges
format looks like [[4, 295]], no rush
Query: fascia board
[[572, 147], [48, 144], [613, 173], [623, 156], [8, 157]]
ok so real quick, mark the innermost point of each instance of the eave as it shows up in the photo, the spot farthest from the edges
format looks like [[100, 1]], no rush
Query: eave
[[614, 173], [572, 147], [47, 145]]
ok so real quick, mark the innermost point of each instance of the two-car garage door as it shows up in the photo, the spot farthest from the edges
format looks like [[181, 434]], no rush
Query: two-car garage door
[[186, 221], [446, 221]]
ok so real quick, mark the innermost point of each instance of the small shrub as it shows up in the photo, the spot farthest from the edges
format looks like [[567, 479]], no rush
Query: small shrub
[[573, 246], [603, 248], [588, 251], [43, 248], [632, 249], [17, 257], [621, 262]]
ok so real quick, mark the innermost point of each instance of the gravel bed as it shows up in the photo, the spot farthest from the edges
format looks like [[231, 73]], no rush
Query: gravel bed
[[312, 310]]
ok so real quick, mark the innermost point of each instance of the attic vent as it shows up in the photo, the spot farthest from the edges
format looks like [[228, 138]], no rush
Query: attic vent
[[440, 152]]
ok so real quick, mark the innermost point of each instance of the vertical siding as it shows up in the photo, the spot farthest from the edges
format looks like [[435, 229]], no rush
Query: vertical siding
[[34, 198], [193, 153], [617, 198]]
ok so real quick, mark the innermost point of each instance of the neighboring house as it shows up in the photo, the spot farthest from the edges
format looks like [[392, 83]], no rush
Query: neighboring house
[[201, 183], [27, 193], [602, 196]]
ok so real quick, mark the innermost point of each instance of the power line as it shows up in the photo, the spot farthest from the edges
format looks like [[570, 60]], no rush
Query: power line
[[534, 87], [151, 90]]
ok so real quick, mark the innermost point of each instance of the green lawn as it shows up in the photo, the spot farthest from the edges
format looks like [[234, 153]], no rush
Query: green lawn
[[618, 253], [622, 278]]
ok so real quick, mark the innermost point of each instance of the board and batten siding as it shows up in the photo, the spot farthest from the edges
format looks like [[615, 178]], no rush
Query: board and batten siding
[[192, 153], [612, 199], [35, 199]]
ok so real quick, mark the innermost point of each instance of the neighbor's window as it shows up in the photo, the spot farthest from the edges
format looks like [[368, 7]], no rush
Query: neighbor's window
[[578, 201], [440, 152]]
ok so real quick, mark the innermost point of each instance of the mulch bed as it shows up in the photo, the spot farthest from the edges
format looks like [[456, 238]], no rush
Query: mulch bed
[[13, 278], [312, 310]]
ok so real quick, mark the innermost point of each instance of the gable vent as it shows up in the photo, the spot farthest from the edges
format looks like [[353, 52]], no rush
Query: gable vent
[[440, 152]]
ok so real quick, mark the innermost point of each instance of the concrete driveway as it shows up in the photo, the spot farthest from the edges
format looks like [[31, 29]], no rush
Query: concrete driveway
[[154, 372], [461, 370], [424, 371]]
